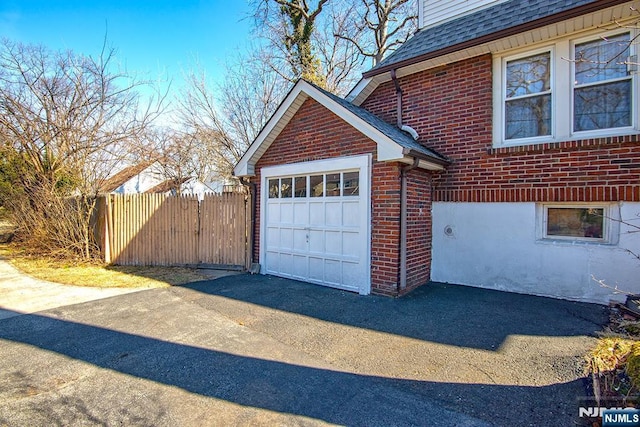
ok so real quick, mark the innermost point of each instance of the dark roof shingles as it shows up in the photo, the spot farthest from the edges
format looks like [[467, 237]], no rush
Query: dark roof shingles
[[393, 132], [482, 23]]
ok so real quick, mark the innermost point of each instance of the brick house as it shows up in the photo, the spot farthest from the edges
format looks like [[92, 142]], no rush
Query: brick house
[[498, 147]]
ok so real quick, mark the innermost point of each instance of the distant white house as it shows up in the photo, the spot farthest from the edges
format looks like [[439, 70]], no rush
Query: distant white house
[[148, 177]]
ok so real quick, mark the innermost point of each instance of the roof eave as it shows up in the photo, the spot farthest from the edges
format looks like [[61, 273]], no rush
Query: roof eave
[[430, 162]]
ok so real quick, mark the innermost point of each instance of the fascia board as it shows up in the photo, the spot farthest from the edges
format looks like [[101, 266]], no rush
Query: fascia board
[[358, 89]]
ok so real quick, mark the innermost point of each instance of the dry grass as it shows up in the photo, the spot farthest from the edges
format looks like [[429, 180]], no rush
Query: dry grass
[[81, 273], [610, 353], [615, 362]]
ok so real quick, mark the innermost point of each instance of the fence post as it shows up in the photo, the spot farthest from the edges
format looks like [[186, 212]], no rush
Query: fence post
[[108, 228], [248, 230]]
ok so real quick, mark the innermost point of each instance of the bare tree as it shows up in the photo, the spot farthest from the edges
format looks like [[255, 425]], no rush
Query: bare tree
[[379, 26], [204, 129], [327, 43], [340, 60], [249, 95], [65, 121], [289, 27]]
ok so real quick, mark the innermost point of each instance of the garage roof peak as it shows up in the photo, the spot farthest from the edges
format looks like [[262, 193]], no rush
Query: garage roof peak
[[393, 143]]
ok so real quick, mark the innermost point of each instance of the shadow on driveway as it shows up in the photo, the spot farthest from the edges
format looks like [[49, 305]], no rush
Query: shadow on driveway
[[447, 314], [322, 394]]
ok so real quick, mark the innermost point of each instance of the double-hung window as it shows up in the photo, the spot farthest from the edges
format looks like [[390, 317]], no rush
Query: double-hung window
[[528, 97], [602, 84], [571, 89]]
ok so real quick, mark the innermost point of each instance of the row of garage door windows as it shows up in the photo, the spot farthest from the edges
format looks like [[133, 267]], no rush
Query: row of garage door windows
[[329, 185]]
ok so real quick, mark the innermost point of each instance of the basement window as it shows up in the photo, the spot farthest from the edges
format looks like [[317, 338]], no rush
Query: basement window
[[587, 223]]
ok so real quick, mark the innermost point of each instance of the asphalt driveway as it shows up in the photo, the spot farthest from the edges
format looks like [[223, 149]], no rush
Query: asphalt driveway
[[258, 350]]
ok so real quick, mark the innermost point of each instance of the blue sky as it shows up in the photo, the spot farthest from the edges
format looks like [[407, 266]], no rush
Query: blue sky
[[157, 38]]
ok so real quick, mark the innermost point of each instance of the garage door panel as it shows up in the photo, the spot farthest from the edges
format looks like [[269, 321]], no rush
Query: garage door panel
[[316, 269], [273, 237], [273, 213], [333, 242], [299, 266], [300, 240], [351, 214], [332, 272], [333, 214], [316, 214], [286, 213], [316, 241], [272, 261], [286, 239], [351, 274], [351, 244], [286, 262], [301, 213]]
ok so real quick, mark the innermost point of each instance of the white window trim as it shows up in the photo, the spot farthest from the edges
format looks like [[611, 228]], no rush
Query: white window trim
[[610, 224], [503, 85], [634, 89], [561, 93]]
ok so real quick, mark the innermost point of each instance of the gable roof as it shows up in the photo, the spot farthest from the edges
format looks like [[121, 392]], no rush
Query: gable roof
[[167, 185], [488, 24], [115, 181], [393, 144]]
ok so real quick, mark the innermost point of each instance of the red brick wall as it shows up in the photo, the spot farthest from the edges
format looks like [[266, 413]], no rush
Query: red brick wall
[[315, 133], [451, 109], [418, 228]]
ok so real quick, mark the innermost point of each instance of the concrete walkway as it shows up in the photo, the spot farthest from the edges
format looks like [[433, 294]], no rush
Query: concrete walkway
[[22, 294]]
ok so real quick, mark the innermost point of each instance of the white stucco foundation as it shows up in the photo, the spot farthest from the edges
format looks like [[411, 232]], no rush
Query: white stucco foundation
[[499, 246]]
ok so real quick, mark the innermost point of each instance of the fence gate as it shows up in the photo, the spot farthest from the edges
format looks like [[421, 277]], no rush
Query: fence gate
[[155, 229]]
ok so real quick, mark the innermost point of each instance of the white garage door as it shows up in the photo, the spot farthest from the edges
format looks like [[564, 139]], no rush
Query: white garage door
[[315, 222]]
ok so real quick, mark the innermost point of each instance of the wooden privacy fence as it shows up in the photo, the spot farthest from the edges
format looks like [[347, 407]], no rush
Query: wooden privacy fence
[[155, 229]]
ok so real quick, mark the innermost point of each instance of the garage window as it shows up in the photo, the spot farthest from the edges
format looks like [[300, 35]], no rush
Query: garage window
[[326, 185], [316, 182], [301, 186], [274, 188], [333, 184], [350, 184], [286, 191]]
